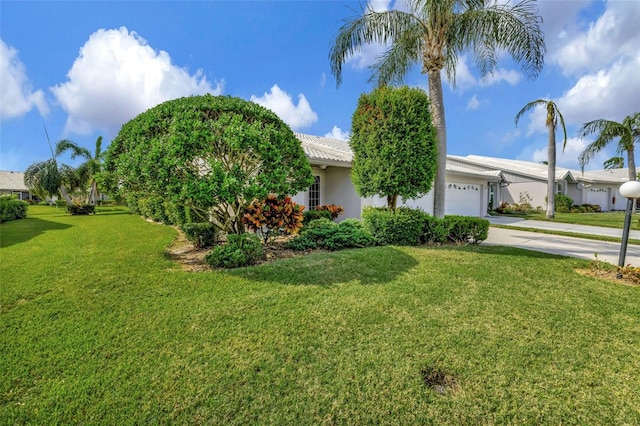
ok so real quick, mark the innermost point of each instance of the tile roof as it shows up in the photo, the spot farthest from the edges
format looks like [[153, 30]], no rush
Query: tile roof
[[525, 168], [13, 181], [320, 149]]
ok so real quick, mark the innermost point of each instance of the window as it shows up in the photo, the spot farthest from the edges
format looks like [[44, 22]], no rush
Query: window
[[314, 193]]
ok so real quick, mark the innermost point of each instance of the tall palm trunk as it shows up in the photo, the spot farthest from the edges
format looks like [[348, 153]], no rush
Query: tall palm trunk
[[93, 193], [632, 162], [551, 173], [437, 114], [65, 195]]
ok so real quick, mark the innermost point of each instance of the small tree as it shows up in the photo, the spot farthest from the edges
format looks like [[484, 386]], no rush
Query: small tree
[[212, 154], [394, 144]]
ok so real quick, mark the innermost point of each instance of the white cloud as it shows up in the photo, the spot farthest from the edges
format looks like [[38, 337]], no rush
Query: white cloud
[[465, 78], [16, 94], [473, 103], [510, 76], [117, 76], [615, 34], [280, 102], [337, 133], [567, 158], [611, 93]]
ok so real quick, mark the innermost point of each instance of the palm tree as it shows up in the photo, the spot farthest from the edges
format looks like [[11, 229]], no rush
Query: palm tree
[[614, 163], [433, 33], [553, 114], [88, 170], [627, 133]]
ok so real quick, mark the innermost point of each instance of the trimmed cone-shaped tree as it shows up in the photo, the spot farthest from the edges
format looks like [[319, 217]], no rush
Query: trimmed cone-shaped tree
[[394, 144]]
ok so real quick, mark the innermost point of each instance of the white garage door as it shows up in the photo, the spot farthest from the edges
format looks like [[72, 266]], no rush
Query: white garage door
[[599, 196], [463, 199]]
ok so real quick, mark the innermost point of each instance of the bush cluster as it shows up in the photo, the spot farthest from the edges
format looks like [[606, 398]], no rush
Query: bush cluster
[[273, 216], [81, 209], [310, 215], [402, 227], [586, 208], [323, 233], [11, 208], [563, 203], [240, 250], [334, 211], [201, 234], [407, 226]]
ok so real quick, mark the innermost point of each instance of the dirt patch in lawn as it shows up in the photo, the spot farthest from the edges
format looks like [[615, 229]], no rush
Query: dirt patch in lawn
[[191, 258], [612, 274]]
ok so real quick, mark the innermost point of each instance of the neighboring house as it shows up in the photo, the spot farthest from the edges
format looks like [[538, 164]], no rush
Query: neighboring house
[[528, 180], [13, 183], [469, 191]]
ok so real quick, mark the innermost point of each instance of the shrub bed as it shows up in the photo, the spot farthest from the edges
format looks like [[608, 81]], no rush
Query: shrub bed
[[402, 227], [240, 250], [201, 234], [323, 233], [81, 209], [11, 208]]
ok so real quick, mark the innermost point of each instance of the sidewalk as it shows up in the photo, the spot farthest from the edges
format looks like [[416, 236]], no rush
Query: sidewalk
[[561, 245]]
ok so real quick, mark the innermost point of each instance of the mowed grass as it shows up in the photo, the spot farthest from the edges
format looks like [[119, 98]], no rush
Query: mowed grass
[[606, 219], [98, 326]]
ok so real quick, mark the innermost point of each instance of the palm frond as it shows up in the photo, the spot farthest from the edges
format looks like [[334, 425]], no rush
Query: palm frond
[[528, 107], [372, 27], [397, 61], [65, 145], [514, 29]]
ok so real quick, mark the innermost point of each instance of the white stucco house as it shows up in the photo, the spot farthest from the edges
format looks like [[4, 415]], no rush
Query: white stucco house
[[526, 178], [467, 189], [13, 183], [474, 184]]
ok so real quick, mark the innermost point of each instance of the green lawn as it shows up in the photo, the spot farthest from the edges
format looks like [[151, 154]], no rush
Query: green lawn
[[98, 326], [606, 219]]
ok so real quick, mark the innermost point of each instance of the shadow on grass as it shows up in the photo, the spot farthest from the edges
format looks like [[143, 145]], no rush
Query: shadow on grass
[[20, 231], [112, 210], [377, 265], [513, 251]]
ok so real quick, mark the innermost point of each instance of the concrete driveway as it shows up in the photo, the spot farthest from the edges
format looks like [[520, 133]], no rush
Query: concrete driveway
[[561, 245]]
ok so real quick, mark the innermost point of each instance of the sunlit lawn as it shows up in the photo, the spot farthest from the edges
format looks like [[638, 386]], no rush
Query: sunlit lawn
[[606, 219], [97, 325]]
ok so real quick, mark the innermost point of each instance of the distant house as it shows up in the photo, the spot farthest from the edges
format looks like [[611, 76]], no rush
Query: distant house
[[529, 179], [13, 183], [468, 190]]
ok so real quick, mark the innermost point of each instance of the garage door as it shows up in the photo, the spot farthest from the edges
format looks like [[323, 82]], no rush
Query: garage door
[[599, 196], [463, 199]]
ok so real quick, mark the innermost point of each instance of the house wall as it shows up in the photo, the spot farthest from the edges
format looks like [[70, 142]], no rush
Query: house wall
[[575, 193], [339, 190], [536, 190], [335, 188]]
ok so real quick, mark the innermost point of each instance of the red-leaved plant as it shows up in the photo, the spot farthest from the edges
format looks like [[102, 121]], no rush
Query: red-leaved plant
[[331, 208], [273, 216]]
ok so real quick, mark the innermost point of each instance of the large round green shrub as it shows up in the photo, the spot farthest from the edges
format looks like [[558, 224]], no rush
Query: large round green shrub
[[212, 154]]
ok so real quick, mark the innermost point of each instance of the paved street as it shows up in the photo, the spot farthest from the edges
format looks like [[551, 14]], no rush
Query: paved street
[[557, 244]]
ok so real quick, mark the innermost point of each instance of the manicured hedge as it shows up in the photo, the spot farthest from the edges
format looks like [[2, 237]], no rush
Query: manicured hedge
[[11, 208], [323, 233], [407, 226], [402, 227]]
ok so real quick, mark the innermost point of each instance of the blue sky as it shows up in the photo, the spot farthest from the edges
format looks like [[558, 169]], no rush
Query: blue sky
[[85, 68]]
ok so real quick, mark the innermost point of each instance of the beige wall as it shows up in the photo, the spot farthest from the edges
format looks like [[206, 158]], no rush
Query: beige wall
[[536, 190], [338, 189], [335, 188]]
